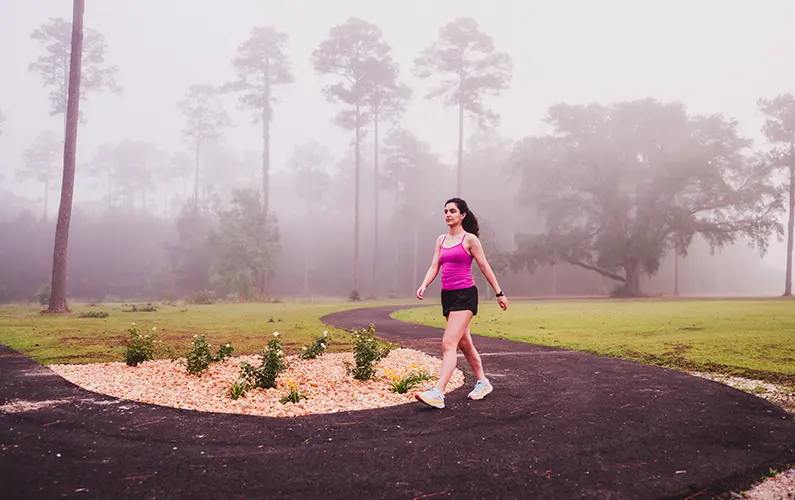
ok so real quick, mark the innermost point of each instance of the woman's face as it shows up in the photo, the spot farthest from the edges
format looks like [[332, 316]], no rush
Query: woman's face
[[452, 215]]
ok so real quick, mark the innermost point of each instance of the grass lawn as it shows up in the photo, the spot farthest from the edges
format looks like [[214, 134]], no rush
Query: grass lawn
[[751, 338], [248, 327]]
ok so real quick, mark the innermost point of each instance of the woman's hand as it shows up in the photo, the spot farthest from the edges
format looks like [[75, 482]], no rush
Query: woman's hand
[[420, 291], [503, 301]]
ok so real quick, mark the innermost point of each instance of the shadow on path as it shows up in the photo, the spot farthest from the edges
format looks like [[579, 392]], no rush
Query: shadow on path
[[560, 424]]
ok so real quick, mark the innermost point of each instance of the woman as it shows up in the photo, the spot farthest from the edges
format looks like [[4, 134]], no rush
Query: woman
[[454, 253]]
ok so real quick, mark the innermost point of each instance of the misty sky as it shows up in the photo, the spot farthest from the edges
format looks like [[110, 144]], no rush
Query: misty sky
[[716, 56]]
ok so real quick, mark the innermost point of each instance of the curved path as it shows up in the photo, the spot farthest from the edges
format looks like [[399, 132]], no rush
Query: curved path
[[560, 424]]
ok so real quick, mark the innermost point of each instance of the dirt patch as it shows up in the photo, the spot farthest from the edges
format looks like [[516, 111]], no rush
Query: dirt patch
[[323, 381], [21, 405], [782, 395]]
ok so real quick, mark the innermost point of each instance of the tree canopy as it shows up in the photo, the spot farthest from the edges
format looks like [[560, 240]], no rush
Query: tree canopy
[[619, 186]]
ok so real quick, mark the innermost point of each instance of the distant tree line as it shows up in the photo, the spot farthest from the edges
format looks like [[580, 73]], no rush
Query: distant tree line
[[598, 205]]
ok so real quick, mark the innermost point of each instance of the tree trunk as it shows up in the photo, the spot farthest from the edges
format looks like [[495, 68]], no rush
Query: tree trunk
[[415, 259], [307, 245], [58, 287], [790, 224], [676, 270], [266, 167], [375, 202], [631, 286], [395, 246], [196, 178], [460, 183], [357, 166], [46, 198], [554, 280]]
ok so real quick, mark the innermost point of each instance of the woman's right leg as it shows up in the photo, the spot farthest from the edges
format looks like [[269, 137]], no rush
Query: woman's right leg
[[457, 325]]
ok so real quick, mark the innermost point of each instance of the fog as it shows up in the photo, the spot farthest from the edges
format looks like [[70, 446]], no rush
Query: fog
[[712, 56]]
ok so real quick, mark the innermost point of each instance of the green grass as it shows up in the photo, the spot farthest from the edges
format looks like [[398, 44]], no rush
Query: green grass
[[752, 338], [68, 338]]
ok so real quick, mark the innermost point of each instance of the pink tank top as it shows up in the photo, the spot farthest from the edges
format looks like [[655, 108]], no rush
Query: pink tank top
[[456, 266]]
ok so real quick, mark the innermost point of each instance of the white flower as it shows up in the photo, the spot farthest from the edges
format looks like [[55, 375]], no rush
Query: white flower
[[275, 334], [133, 324], [195, 336], [303, 348], [227, 345], [280, 352], [325, 333], [154, 328], [323, 345]]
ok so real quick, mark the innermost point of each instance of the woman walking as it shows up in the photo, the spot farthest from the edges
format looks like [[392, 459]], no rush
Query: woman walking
[[453, 254]]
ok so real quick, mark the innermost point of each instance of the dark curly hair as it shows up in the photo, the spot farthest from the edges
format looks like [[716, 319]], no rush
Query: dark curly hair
[[470, 222]]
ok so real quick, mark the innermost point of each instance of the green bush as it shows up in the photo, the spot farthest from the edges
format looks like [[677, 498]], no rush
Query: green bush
[[149, 307], [316, 348], [140, 348], [272, 365], [203, 297], [200, 355], [94, 314], [367, 351]]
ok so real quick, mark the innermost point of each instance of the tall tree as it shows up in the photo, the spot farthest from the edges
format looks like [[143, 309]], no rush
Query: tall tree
[[137, 162], [619, 186], [779, 128], [470, 67], [2, 120], [242, 251], [58, 286], [409, 168], [40, 162], [354, 52], [54, 66], [261, 64], [104, 167], [312, 181], [206, 121], [386, 100]]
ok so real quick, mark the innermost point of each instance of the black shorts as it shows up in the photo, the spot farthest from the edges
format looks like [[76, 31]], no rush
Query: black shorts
[[464, 299]]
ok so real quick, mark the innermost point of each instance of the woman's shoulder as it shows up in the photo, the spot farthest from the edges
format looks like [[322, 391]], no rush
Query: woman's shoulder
[[470, 239]]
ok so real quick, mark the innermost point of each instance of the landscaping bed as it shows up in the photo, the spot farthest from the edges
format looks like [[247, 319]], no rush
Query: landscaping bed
[[323, 381]]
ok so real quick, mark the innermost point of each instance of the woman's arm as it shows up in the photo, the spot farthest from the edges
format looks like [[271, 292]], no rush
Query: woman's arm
[[476, 249], [432, 271]]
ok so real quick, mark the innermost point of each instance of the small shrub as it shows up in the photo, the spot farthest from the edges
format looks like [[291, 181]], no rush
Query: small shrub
[[200, 355], [367, 351], [403, 382], [292, 396], [354, 296], [140, 347], [203, 297], [316, 348], [94, 314], [43, 294], [272, 365], [149, 307], [238, 389]]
